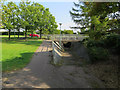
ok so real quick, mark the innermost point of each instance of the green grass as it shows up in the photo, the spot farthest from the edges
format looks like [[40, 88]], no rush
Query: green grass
[[17, 54], [12, 36]]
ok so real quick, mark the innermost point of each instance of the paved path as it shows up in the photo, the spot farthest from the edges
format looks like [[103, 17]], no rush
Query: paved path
[[41, 74]]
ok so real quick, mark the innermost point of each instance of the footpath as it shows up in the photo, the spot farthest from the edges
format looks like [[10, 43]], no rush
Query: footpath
[[39, 73]]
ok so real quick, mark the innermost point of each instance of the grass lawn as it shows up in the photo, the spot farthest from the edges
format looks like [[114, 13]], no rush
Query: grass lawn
[[17, 54], [16, 36], [12, 36]]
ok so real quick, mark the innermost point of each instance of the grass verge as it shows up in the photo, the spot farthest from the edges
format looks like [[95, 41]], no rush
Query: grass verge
[[16, 54]]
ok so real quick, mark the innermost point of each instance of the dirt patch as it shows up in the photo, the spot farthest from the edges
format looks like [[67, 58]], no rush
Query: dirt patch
[[106, 71]]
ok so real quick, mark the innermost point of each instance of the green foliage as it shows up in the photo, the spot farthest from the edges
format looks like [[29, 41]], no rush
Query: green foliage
[[98, 54], [92, 43], [96, 35], [29, 16], [112, 41], [67, 32], [97, 17], [56, 31], [98, 49], [98, 24]]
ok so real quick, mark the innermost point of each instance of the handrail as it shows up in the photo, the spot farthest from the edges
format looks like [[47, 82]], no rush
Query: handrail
[[57, 52], [68, 37], [57, 46]]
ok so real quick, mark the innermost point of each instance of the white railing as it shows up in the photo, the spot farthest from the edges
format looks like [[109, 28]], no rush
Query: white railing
[[57, 48], [57, 52], [68, 37]]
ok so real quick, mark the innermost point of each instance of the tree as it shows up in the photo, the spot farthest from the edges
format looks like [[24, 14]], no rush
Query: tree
[[52, 25], [17, 19], [56, 31], [45, 22], [39, 21], [25, 15], [95, 16], [80, 16], [67, 32], [8, 15], [29, 16]]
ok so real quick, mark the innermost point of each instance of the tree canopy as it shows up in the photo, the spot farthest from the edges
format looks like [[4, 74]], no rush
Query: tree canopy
[[67, 32], [28, 15], [96, 16]]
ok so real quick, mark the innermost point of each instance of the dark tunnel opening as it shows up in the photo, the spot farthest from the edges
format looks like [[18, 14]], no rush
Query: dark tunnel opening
[[67, 45]]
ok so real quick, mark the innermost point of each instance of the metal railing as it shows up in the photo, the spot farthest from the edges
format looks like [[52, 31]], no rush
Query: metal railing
[[57, 50], [68, 37]]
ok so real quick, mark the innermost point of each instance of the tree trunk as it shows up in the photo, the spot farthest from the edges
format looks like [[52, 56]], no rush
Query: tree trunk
[[9, 34], [25, 32], [92, 26], [18, 33], [40, 34], [14, 33], [32, 34], [92, 29]]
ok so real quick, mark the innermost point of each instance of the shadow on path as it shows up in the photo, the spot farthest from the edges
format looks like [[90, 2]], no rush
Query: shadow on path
[[41, 74]]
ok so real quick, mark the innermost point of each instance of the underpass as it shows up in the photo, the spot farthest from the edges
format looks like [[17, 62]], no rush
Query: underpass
[[69, 49]]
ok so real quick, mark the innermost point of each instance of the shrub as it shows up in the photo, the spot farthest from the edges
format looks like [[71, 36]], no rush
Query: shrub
[[96, 35], [98, 54], [111, 40], [92, 43]]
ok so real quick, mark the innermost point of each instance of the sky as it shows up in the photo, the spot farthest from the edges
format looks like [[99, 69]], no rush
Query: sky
[[60, 9], [61, 12]]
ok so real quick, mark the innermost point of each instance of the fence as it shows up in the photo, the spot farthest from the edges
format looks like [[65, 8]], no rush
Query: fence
[[68, 37]]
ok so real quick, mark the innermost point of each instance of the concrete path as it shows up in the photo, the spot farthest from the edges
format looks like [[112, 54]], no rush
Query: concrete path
[[41, 74]]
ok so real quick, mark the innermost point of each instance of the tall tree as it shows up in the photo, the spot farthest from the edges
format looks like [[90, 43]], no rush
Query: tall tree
[[80, 16], [39, 21], [52, 25], [29, 16], [45, 20], [95, 16], [26, 12], [8, 15], [17, 19]]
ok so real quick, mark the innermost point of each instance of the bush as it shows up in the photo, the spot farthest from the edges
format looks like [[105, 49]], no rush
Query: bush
[[117, 47], [98, 54], [98, 49], [96, 35], [112, 40], [92, 43]]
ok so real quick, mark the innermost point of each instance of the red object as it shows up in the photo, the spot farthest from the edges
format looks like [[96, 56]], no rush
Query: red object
[[34, 35]]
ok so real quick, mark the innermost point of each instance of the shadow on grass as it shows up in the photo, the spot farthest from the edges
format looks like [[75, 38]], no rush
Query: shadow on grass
[[17, 62]]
